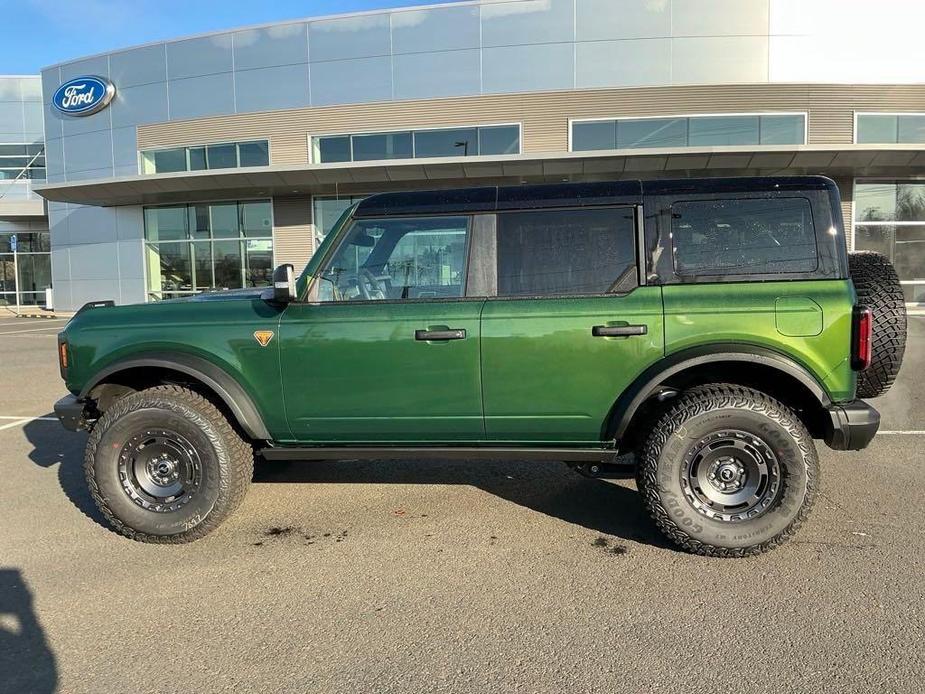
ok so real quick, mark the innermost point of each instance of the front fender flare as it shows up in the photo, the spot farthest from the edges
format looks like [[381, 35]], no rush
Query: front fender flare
[[214, 377]]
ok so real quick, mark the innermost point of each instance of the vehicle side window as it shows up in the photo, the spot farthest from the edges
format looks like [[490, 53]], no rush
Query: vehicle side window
[[398, 259], [560, 252], [743, 236]]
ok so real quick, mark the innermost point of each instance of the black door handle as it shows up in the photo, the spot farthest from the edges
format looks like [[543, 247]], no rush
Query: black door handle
[[618, 330], [440, 335]]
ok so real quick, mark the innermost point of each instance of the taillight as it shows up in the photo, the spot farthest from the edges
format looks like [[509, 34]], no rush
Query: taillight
[[862, 334], [62, 356]]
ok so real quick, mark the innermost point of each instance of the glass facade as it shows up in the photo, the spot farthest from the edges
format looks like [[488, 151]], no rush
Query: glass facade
[[208, 246], [689, 131], [22, 153], [229, 155], [890, 128], [418, 144], [889, 217], [25, 265], [22, 162]]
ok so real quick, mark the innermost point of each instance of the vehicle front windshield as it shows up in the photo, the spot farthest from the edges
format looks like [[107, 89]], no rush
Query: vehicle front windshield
[[397, 258]]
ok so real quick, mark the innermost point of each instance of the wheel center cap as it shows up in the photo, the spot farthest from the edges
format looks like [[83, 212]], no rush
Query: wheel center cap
[[163, 470], [727, 474]]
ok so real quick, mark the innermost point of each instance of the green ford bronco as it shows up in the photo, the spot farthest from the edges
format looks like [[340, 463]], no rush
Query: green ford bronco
[[699, 334]]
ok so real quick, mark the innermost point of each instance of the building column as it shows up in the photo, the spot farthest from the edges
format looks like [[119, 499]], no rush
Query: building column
[[293, 231], [846, 191]]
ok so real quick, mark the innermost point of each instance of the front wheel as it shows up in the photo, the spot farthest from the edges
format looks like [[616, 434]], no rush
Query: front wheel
[[164, 465], [728, 472]]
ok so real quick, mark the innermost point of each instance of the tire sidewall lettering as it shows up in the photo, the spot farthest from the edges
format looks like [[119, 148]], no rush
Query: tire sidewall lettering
[[763, 418]]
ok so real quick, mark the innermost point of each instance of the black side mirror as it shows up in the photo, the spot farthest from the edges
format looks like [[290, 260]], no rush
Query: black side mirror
[[284, 284]]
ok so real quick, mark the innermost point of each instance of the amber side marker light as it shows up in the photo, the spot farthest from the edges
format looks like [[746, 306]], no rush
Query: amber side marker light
[[62, 356], [862, 335]]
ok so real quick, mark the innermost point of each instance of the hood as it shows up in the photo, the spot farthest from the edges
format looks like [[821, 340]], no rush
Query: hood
[[248, 294]]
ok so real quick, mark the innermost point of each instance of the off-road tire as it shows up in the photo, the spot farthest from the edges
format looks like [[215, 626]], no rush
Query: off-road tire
[[698, 413], [226, 459], [878, 288]]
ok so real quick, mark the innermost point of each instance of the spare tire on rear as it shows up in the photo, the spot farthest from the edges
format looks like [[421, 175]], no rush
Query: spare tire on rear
[[878, 288]]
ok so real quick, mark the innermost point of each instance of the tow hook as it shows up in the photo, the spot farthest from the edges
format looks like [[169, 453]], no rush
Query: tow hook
[[626, 467]]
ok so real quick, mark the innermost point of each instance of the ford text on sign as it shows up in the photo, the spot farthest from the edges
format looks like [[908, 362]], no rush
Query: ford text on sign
[[83, 95]]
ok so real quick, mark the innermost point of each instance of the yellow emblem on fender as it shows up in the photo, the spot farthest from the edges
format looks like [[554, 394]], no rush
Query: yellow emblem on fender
[[263, 337]]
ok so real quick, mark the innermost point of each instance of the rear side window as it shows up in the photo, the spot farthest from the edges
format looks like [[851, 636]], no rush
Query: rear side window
[[743, 236], [590, 251]]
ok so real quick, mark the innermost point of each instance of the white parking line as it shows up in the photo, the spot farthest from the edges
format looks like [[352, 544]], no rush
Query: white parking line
[[31, 330], [31, 419], [902, 433], [35, 320], [39, 321], [20, 421]]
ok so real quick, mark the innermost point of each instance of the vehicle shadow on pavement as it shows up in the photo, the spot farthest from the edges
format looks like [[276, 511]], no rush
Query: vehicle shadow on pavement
[[53, 445], [27, 663], [549, 488]]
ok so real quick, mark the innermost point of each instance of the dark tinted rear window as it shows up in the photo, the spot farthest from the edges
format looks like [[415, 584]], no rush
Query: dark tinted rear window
[[564, 252], [744, 236]]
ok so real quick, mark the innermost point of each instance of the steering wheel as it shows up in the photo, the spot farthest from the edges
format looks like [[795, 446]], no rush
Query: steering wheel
[[369, 285]]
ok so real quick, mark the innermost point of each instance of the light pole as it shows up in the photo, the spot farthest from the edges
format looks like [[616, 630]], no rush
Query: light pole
[[14, 246]]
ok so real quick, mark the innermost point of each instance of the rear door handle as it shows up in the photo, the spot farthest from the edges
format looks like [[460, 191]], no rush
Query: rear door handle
[[440, 335], [618, 330]]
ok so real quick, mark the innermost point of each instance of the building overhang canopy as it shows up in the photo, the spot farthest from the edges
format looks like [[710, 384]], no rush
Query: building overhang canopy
[[368, 176], [22, 209]]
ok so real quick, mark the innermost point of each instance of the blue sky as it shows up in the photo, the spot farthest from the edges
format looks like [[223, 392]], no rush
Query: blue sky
[[37, 33]]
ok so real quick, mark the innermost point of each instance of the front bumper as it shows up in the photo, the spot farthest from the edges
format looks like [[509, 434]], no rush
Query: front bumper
[[851, 425], [70, 412]]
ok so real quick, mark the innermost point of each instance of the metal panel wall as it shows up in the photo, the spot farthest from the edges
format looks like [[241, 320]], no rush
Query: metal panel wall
[[483, 48], [545, 116]]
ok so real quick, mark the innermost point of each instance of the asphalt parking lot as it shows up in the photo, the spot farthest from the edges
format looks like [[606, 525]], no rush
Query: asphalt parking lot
[[421, 577]]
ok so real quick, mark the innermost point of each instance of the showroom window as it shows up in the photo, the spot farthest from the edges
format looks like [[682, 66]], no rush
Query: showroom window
[[417, 144], [208, 246], [889, 217], [227, 155], [25, 265], [689, 131], [890, 128], [23, 162]]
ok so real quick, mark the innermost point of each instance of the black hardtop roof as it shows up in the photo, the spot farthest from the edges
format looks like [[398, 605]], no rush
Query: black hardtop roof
[[545, 195]]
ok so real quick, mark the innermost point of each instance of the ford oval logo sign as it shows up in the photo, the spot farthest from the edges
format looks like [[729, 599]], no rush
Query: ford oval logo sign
[[83, 96]]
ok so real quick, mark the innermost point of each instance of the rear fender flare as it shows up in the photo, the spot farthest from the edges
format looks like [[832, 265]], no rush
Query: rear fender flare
[[647, 384]]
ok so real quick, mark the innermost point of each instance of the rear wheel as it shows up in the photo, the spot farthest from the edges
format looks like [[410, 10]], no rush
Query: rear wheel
[[878, 288], [165, 465], [728, 472]]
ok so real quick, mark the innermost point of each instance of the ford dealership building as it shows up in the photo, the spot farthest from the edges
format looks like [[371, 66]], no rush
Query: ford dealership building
[[202, 162]]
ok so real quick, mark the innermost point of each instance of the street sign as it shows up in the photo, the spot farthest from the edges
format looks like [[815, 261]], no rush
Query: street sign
[[13, 243]]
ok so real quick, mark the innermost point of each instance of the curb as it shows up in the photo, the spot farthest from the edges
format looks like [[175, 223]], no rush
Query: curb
[[41, 315]]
